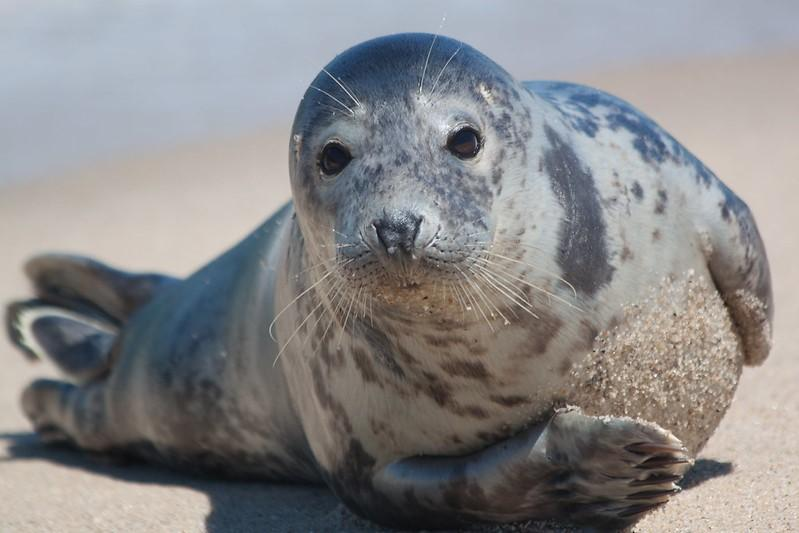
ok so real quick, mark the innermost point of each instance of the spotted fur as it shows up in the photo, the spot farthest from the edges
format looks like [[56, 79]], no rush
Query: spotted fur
[[422, 389]]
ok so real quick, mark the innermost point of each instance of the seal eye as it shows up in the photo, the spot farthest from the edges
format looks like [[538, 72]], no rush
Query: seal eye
[[334, 158], [464, 142]]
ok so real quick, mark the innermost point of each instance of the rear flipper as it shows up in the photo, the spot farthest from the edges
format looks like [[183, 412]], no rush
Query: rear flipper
[[739, 267], [82, 304], [78, 344], [80, 283], [66, 413]]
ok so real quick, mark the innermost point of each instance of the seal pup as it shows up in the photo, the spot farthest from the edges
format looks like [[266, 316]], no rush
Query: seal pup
[[466, 258]]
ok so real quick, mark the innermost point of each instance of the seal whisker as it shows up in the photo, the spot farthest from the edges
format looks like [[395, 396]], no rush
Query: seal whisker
[[430, 51], [340, 245], [483, 296], [303, 293], [509, 277], [317, 265], [292, 302], [346, 318], [334, 288], [508, 283], [508, 293], [345, 106], [361, 304], [477, 276], [510, 243], [371, 312], [574, 291], [479, 245], [294, 333], [536, 287], [469, 305], [435, 83], [484, 278], [340, 234], [344, 87], [457, 293], [331, 108], [474, 300]]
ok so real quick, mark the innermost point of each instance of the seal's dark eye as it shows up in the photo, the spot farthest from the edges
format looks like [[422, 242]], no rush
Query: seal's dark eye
[[334, 158], [464, 142]]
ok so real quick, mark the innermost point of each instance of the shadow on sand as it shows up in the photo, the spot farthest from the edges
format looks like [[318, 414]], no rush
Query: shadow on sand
[[254, 506], [235, 506]]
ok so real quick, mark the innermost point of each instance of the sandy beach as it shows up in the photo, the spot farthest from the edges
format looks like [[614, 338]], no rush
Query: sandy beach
[[174, 211]]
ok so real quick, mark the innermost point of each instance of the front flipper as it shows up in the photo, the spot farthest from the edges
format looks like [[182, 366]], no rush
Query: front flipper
[[83, 284], [603, 471]]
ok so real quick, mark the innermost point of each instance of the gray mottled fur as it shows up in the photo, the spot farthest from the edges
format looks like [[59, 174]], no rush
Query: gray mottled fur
[[420, 394]]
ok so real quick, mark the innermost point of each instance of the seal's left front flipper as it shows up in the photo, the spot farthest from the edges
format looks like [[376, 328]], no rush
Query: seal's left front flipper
[[739, 267], [603, 471]]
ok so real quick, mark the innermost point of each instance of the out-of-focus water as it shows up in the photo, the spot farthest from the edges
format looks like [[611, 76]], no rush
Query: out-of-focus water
[[86, 80]]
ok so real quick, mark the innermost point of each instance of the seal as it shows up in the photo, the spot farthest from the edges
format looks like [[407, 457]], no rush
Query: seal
[[489, 300]]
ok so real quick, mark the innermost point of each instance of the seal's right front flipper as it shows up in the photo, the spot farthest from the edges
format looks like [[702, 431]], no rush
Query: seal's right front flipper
[[81, 283], [603, 471], [78, 344]]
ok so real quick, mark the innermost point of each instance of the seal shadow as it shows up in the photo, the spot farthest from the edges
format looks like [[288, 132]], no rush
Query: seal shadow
[[235, 505], [264, 506]]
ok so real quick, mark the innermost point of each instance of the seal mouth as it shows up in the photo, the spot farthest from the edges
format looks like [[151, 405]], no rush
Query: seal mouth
[[423, 282]]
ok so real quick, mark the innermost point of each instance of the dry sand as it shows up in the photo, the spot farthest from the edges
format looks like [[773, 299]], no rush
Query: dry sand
[[174, 211]]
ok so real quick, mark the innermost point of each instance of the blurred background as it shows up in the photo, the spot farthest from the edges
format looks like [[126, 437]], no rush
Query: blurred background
[[84, 81], [153, 134]]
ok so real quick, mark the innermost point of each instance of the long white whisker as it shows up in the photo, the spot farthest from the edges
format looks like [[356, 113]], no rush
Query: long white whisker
[[470, 302], [510, 243], [317, 265], [332, 108], [294, 333], [346, 317], [344, 87], [488, 322], [328, 295], [536, 287], [574, 291], [292, 302], [435, 83], [339, 233], [430, 51], [495, 285], [526, 306], [490, 303], [460, 299], [508, 281], [345, 106]]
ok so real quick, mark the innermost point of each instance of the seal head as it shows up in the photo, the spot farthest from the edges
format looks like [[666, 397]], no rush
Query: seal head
[[397, 160]]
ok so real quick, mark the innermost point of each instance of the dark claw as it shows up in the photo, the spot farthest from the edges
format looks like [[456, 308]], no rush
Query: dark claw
[[638, 509], [648, 448], [657, 462], [649, 494], [655, 480]]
